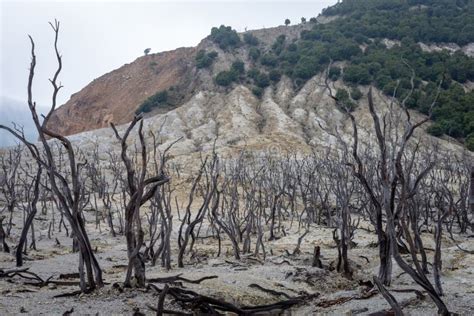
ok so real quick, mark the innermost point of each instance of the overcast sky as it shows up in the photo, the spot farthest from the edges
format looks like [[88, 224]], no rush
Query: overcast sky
[[99, 36]]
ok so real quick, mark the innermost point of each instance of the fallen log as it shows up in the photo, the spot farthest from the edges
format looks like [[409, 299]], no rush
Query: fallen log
[[418, 293], [269, 291], [69, 275], [74, 293], [25, 274], [169, 311], [403, 304], [342, 300], [337, 301], [194, 301], [11, 272], [35, 280], [68, 294], [177, 278], [283, 262]]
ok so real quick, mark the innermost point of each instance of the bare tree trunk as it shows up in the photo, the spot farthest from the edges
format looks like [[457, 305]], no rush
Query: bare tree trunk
[[471, 191], [3, 242], [316, 258], [437, 264], [385, 269], [388, 297]]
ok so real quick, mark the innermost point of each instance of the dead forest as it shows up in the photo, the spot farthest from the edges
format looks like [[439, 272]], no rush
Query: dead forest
[[393, 186]]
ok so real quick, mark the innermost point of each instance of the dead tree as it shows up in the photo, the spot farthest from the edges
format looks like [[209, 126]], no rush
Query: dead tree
[[69, 193], [208, 191], [140, 189], [32, 194], [464, 181], [343, 188], [161, 210], [10, 164], [227, 215], [161, 203], [366, 177], [277, 189], [225, 222], [393, 176], [397, 186], [97, 187], [117, 197]]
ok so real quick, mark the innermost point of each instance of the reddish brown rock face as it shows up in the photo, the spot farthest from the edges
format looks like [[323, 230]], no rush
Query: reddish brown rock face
[[115, 96]]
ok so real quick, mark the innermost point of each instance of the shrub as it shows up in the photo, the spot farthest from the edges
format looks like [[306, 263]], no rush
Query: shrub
[[225, 37], [334, 73], [356, 94], [212, 54], [225, 78], [279, 44], [257, 91], [292, 47], [389, 88], [436, 130], [156, 100], [204, 60], [344, 50], [286, 68], [287, 22], [470, 142], [299, 83], [269, 60], [254, 53], [306, 67], [382, 80], [262, 80], [343, 96], [253, 73], [274, 75], [357, 74], [250, 39], [238, 67]]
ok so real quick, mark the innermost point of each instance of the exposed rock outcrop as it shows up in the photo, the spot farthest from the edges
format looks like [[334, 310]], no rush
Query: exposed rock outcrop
[[115, 96]]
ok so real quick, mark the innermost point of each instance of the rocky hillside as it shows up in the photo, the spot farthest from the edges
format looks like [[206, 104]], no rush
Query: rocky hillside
[[115, 96], [283, 121], [264, 82]]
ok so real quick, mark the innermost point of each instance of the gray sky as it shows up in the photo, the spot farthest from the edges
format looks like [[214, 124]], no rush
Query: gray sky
[[99, 36]]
